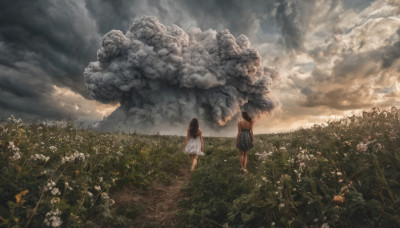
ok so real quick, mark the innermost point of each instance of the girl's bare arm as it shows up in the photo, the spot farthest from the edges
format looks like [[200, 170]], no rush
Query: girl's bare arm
[[251, 133], [201, 139]]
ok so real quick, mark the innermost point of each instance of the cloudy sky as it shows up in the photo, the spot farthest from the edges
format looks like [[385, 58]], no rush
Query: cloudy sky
[[333, 58]]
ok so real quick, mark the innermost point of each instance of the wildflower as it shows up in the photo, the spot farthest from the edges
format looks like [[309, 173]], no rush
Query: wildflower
[[339, 173], [302, 165], [264, 179], [340, 180], [98, 188], [338, 199], [55, 200], [325, 225], [67, 186], [112, 202], [89, 194], [362, 147], [50, 185], [73, 157], [55, 192], [53, 148], [101, 179], [39, 157], [273, 224], [315, 220], [281, 205], [104, 195], [16, 156], [12, 146], [52, 218], [113, 180]]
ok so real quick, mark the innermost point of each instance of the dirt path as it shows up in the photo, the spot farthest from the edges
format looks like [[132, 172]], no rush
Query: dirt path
[[160, 202]]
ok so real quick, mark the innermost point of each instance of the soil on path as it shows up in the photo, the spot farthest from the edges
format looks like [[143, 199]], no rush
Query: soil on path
[[160, 202]]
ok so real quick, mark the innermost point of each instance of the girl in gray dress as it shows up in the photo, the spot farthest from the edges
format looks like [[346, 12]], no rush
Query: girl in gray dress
[[244, 139]]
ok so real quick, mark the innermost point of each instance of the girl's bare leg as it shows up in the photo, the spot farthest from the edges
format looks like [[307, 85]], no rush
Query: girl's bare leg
[[241, 159], [244, 159], [194, 162]]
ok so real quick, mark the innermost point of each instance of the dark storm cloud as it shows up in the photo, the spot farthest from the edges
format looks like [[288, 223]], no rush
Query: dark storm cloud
[[43, 43], [286, 15], [116, 14], [162, 74]]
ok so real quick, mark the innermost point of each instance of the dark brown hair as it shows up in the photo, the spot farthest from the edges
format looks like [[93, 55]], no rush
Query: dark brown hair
[[194, 128], [247, 117]]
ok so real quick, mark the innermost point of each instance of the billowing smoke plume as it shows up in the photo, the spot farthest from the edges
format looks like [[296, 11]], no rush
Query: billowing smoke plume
[[161, 74]]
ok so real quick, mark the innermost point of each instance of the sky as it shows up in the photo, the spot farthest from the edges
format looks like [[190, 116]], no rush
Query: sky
[[328, 59]]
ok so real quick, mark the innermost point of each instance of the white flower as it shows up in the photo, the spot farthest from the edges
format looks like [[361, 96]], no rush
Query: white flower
[[12, 146], [55, 200], [98, 188], [362, 147], [101, 179], [53, 219], [325, 225], [339, 173], [89, 194], [39, 157], [50, 185], [53, 148], [112, 202], [281, 205], [264, 179], [55, 192], [273, 224], [67, 186], [104, 195], [16, 156], [315, 220]]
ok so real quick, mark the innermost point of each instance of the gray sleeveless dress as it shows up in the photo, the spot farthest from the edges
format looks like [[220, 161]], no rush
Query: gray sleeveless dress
[[244, 142]]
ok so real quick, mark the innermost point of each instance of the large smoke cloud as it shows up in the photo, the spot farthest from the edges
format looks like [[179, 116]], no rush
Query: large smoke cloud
[[162, 74]]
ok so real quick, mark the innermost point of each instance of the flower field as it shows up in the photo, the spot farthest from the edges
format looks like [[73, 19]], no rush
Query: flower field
[[339, 174], [59, 176]]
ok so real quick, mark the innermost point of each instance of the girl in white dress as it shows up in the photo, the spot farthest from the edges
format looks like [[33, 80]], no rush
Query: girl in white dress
[[194, 142]]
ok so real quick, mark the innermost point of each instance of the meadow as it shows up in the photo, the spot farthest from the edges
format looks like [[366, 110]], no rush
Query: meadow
[[338, 174]]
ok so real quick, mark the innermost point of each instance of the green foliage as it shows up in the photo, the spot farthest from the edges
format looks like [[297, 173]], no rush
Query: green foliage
[[294, 177], [62, 168], [339, 174]]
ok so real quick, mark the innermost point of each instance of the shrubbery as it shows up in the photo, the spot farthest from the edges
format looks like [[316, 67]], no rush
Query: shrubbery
[[340, 174]]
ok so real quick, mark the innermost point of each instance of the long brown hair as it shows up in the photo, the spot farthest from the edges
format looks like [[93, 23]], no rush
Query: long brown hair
[[194, 128], [247, 117]]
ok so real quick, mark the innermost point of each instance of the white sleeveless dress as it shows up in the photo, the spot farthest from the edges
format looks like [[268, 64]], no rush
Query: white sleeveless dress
[[193, 146]]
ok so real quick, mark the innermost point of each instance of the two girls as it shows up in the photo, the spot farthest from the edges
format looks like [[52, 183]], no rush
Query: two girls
[[244, 140]]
